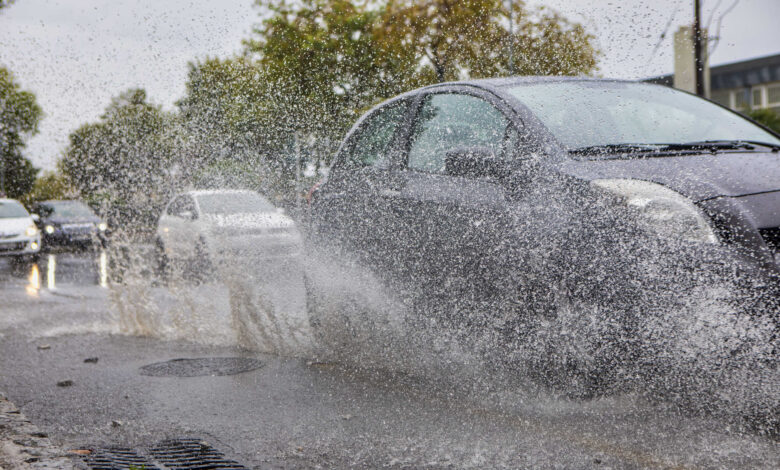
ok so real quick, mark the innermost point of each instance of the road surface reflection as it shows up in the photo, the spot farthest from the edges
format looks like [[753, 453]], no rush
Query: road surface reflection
[[55, 270]]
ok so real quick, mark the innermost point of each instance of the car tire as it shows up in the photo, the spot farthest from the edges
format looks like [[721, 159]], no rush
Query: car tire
[[201, 266], [24, 260], [163, 264]]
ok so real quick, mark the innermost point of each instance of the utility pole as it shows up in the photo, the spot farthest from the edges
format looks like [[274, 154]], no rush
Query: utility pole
[[511, 38], [2, 175], [697, 49]]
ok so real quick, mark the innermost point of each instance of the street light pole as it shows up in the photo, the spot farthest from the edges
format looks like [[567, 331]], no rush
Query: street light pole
[[697, 48]]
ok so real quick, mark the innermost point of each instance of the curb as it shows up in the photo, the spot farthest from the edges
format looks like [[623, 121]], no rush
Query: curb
[[23, 446]]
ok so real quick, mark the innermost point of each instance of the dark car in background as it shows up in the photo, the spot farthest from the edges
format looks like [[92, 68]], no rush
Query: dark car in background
[[510, 204], [69, 223]]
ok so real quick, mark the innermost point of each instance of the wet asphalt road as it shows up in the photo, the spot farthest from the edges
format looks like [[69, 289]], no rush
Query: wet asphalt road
[[292, 412]]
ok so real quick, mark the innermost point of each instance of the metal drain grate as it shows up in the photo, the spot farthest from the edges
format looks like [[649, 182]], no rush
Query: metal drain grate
[[191, 454], [179, 454], [116, 459], [201, 366]]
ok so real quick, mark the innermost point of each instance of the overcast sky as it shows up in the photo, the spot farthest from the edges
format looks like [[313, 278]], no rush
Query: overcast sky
[[76, 54]]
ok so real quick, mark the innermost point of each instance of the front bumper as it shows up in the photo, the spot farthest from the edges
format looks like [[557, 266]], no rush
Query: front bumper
[[66, 238], [20, 246], [256, 247]]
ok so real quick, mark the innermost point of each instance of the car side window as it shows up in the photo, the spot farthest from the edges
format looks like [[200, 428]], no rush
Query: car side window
[[180, 205], [450, 121], [370, 144]]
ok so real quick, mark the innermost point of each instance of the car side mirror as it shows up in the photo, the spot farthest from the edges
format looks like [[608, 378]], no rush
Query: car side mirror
[[475, 162], [35, 217]]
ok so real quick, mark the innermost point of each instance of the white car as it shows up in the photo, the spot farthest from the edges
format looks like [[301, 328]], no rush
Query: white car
[[208, 226], [19, 237]]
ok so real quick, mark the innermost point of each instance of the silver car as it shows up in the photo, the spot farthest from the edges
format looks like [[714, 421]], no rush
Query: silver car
[[19, 237], [208, 226]]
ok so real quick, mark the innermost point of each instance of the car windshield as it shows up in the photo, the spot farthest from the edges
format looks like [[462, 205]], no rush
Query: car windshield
[[234, 203], [583, 114], [11, 210], [68, 209]]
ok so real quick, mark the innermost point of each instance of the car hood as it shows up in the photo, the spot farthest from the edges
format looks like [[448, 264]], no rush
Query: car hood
[[699, 177], [72, 220], [15, 225], [258, 220]]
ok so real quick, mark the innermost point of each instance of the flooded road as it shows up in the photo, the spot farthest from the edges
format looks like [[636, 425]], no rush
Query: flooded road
[[293, 411]]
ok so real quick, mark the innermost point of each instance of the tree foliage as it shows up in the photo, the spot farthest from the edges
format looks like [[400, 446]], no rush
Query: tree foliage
[[124, 160], [230, 120], [51, 185], [766, 117], [454, 39], [19, 118]]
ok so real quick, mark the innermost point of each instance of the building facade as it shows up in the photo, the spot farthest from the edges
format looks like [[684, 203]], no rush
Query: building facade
[[742, 86]]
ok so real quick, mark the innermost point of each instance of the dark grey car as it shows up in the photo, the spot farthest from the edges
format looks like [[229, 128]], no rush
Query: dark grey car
[[69, 223], [501, 204]]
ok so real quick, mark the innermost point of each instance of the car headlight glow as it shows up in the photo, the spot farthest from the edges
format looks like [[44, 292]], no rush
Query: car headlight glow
[[669, 212], [31, 231], [49, 229], [102, 226]]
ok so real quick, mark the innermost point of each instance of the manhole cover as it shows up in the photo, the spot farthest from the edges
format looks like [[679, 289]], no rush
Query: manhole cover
[[201, 366]]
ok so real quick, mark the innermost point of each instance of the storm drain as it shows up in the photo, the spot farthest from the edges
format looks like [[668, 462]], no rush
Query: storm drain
[[117, 458], [201, 366], [180, 454], [191, 454]]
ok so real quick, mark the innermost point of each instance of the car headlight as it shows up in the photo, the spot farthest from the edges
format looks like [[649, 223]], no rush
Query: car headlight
[[49, 229], [102, 226], [31, 231], [669, 212]]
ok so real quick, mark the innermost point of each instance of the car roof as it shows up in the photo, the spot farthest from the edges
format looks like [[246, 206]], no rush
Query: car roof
[[496, 84], [503, 82], [202, 192], [7, 199], [57, 201]]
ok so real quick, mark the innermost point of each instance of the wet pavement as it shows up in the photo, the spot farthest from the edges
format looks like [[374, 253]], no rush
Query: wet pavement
[[73, 345]]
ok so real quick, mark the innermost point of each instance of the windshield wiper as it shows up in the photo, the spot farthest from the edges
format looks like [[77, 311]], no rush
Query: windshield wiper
[[772, 147], [613, 149], [670, 148], [708, 145]]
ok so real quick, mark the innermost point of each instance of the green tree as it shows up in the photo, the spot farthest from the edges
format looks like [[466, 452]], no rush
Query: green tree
[[324, 67], [455, 39], [766, 117], [123, 163], [19, 118], [50, 185], [230, 120]]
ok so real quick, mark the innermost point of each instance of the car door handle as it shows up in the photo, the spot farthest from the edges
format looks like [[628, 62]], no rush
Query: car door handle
[[389, 192]]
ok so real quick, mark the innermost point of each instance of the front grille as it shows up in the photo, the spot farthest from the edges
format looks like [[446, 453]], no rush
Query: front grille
[[17, 246], [78, 229], [771, 237]]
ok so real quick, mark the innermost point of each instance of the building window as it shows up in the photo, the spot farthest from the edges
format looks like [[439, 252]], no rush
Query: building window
[[741, 99], [773, 95], [756, 98]]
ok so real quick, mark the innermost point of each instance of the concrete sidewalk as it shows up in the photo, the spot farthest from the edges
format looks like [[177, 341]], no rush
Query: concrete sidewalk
[[23, 446]]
